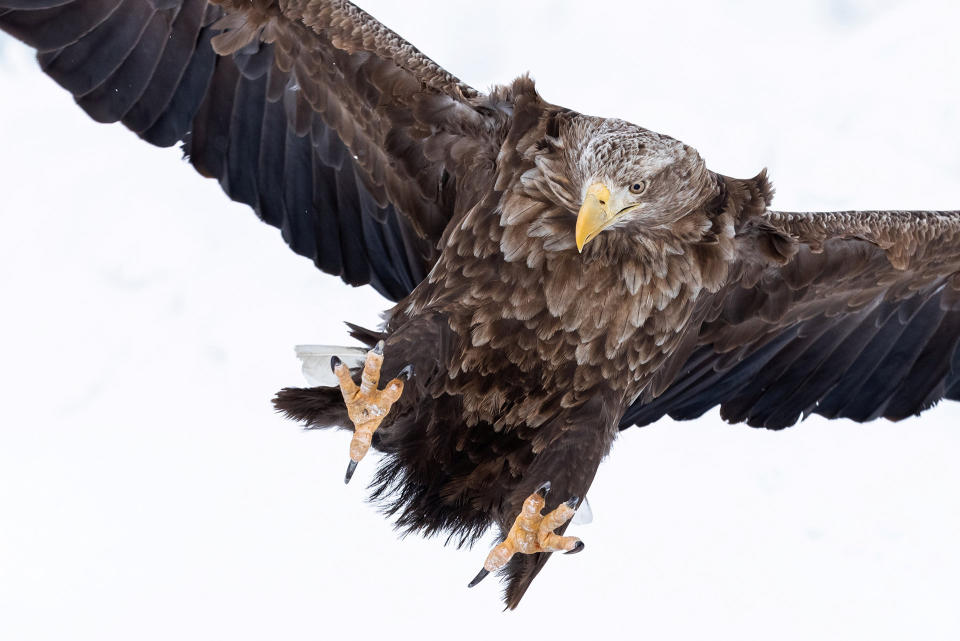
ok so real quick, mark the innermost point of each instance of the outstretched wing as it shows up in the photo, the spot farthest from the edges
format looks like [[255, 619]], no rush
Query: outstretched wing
[[845, 314], [333, 128]]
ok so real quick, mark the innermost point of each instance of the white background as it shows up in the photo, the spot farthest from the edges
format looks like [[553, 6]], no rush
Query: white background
[[147, 490]]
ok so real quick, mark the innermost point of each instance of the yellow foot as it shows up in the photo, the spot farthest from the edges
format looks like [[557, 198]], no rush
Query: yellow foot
[[366, 405], [533, 532]]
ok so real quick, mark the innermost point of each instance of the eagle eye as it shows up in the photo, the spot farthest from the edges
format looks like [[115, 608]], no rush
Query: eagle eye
[[638, 187]]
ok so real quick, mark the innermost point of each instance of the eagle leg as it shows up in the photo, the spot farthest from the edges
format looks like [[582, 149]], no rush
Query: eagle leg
[[533, 532], [367, 405]]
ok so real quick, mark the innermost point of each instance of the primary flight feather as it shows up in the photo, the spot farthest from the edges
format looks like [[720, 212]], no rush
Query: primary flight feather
[[558, 277]]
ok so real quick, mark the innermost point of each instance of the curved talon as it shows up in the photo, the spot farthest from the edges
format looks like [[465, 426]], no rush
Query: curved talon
[[406, 373], [577, 548], [481, 575], [335, 363], [351, 468], [378, 348], [543, 489], [572, 501]]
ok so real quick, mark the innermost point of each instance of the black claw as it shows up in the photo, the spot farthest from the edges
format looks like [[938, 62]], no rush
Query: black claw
[[577, 548], [406, 373], [334, 363], [480, 577], [378, 348], [350, 470], [543, 489], [572, 501]]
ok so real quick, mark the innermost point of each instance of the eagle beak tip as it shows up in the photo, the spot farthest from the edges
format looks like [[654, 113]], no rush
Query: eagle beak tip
[[594, 214]]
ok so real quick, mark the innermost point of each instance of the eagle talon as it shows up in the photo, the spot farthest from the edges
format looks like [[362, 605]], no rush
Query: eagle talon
[[578, 547], [533, 532], [481, 575], [351, 468], [367, 405], [406, 373], [544, 489]]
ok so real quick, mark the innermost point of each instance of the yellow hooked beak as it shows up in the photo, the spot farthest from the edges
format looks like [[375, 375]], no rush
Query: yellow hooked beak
[[594, 214]]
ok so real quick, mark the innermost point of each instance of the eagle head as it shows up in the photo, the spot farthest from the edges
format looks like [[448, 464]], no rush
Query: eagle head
[[632, 178]]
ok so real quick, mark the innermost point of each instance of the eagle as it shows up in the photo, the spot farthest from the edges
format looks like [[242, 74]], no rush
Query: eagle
[[557, 277]]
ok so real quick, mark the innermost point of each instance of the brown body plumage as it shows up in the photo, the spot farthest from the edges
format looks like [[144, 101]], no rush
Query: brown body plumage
[[529, 354]]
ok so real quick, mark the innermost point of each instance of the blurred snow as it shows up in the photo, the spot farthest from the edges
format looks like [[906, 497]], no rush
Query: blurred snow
[[148, 491]]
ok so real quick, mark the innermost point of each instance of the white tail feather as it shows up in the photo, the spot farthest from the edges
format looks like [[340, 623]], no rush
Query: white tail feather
[[315, 360]]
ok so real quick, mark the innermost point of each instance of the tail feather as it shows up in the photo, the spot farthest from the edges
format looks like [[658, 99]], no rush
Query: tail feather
[[314, 406], [315, 362]]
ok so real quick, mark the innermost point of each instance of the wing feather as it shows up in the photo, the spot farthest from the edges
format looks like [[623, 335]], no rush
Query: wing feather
[[161, 84], [111, 99], [859, 322], [311, 112], [87, 63], [174, 121], [49, 28]]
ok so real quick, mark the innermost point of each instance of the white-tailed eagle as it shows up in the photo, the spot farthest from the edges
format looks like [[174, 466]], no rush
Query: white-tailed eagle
[[557, 277]]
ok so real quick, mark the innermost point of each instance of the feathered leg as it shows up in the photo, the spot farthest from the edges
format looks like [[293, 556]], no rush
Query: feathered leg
[[570, 463]]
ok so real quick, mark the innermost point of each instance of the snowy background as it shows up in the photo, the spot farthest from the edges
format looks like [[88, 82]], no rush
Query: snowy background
[[148, 491]]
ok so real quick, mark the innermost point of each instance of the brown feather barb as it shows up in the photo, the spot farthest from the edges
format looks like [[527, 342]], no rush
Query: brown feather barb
[[467, 209]]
